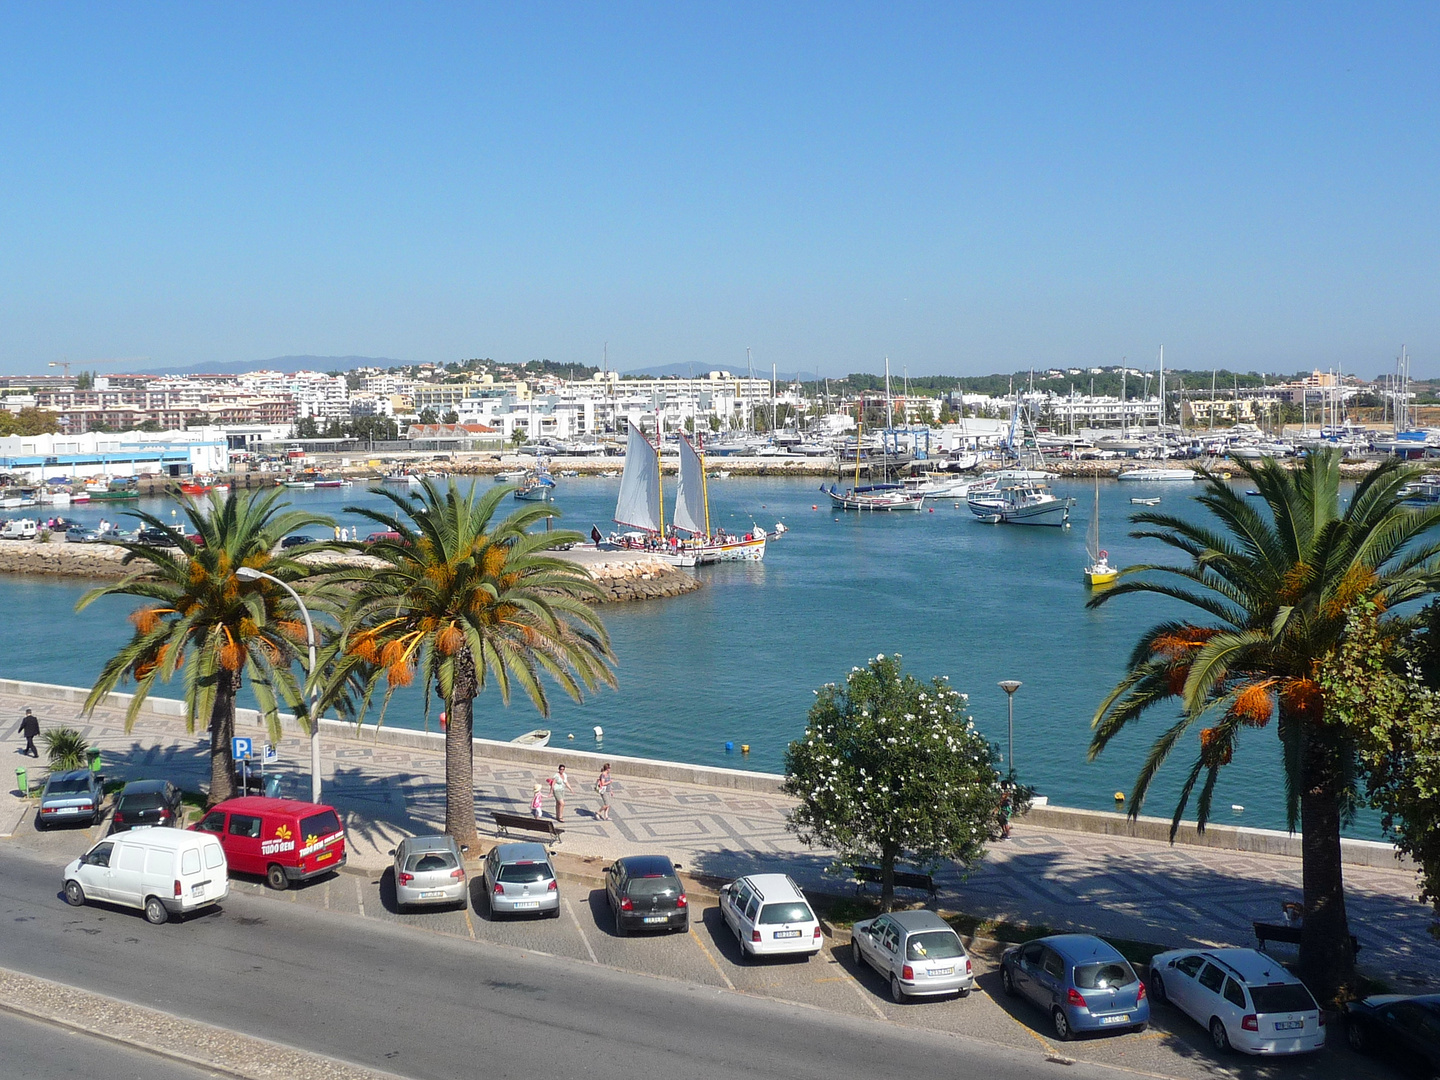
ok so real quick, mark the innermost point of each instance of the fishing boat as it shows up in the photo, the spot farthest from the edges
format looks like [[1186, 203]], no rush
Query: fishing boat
[[692, 516], [538, 737], [1023, 503], [1153, 476], [946, 485], [1099, 572], [876, 497], [1154, 500], [510, 476], [537, 485], [641, 504], [112, 490], [331, 482], [401, 478]]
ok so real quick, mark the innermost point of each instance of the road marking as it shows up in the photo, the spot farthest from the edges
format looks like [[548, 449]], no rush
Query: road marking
[[865, 996], [359, 897], [327, 894], [469, 925], [581, 931], [1050, 1051], [711, 957]]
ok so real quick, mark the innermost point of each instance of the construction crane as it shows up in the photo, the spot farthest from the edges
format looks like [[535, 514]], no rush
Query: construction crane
[[64, 365]]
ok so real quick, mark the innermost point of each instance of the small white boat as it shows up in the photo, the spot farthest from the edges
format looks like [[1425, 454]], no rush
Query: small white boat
[[509, 477], [1152, 501], [1154, 476], [538, 737]]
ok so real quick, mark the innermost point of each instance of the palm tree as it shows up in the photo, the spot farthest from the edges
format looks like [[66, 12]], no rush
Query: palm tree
[[462, 598], [1277, 589], [207, 624]]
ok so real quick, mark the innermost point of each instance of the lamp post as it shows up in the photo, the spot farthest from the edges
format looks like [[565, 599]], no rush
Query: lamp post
[[246, 573], [1010, 686]]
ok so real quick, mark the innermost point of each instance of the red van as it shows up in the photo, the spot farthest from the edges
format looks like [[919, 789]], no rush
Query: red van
[[284, 840]]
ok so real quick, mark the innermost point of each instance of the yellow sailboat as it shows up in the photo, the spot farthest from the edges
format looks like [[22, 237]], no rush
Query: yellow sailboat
[[1099, 573]]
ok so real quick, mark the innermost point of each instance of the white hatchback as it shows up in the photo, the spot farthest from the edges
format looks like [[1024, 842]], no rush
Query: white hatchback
[[1246, 999], [770, 916]]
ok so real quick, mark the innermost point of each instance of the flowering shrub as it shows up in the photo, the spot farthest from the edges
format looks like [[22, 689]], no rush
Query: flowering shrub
[[890, 767]]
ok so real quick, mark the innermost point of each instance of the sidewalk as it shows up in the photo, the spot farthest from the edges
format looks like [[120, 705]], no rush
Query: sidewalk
[[1118, 886]]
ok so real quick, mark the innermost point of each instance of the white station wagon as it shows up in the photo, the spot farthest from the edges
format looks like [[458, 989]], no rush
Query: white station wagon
[[770, 916]]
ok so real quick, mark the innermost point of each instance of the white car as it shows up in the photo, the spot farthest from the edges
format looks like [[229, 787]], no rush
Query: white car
[[770, 916], [1246, 1000]]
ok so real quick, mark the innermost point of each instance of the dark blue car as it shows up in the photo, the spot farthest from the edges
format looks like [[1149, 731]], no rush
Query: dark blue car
[[1082, 982]]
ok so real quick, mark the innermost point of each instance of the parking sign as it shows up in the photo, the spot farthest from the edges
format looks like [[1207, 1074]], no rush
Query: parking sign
[[242, 748], [272, 754]]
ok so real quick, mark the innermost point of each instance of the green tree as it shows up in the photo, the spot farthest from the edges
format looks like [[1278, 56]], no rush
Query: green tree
[[1276, 587], [891, 767], [518, 438], [85, 380], [201, 617], [307, 428], [427, 416], [65, 749], [463, 598], [149, 425], [450, 417]]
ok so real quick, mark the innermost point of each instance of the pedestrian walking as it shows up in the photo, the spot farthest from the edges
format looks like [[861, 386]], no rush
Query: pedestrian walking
[[1007, 800], [537, 802], [560, 789], [29, 727], [602, 788]]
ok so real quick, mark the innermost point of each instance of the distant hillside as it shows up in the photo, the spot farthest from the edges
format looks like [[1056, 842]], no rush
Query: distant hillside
[[286, 364], [699, 371]]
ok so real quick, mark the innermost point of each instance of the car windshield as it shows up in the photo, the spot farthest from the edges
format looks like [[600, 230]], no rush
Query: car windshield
[[1107, 976], [70, 786], [941, 945], [320, 825], [785, 913], [431, 860], [524, 873], [1292, 997], [653, 886], [151, 800]]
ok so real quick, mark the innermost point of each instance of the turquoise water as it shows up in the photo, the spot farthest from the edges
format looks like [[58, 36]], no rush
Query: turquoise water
[[739, 660]]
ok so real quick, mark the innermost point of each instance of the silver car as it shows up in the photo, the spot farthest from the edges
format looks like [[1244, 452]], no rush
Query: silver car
[[520, 877], [429, 870], [917, 951]]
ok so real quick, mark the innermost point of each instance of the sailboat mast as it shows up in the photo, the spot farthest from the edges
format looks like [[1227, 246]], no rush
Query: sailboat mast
[[704, 483], [774, 405], [1162, 388], [660, 468], [859, 434], [1124, 399]]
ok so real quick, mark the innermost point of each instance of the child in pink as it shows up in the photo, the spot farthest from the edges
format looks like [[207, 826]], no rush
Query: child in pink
[[537, 803]]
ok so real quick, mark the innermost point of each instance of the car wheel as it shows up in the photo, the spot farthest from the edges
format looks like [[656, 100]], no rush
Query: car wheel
[[1061, 1023], [155, 913], [855, 953], [1354, 1034], [619, 926], [75, 897], [1139, 1028], [39, 823], [1007, 983], [275, 877], [1218, 1035], [1157, 988], [897, 992]]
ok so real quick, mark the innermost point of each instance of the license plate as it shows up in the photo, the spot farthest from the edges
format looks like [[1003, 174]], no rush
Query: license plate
[[527, 903], [197, 890], [1123, 1018], [1289, 1025], [936, 972], [432, 894], [656, 918], [69, 809], [787, 933]]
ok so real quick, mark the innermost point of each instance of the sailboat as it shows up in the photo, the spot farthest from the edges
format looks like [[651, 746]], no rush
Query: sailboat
[[873, 496], [692, 515], [641, 504], [1099, 572]]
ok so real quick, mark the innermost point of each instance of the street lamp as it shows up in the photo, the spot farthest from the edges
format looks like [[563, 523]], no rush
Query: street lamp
[[246, 573], [1010, 686]]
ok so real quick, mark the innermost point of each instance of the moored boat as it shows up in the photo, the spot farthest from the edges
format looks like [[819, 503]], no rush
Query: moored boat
[[1153, 476], [538, 737], [876, 497], [1024, 503]]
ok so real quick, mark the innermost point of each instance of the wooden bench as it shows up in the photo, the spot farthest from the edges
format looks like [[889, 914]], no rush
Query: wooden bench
[[1290, 935], [526, 823], [904, 879]]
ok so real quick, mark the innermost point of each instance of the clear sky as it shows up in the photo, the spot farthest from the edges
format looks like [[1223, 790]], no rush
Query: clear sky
[[962, 188]]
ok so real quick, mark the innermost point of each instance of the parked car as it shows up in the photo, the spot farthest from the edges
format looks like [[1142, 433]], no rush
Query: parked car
[[384, 537], [770, 916], [163, 872], [297, 540], [144, 803], [75, 795], [157, 538], [521, 877], [429, 870], [645, 893], [1404, 1029], [79, 534], [285, 840], [917, 951], [1246, 999], [1081, 981]]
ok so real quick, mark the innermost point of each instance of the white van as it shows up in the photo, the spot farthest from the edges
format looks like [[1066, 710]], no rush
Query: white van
[[18, 529], [164, 872]]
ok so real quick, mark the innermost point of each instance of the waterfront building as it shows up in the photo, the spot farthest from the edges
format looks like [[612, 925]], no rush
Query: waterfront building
[[37, 458]]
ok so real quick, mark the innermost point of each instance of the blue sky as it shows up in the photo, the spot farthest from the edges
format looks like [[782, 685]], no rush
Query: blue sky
[[961, 188]]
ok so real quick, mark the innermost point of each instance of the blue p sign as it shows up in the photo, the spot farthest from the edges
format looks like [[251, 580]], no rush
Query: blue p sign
[[241, 748]]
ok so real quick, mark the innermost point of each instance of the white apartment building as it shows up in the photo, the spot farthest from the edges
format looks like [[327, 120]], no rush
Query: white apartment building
[[324, 397]]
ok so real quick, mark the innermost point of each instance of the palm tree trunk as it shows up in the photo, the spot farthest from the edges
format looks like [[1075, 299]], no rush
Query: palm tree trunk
[[460, 752], [222, 729], [1327, 961]]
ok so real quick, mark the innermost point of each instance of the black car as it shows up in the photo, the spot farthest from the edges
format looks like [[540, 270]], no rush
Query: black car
[[146, 802], [157, 538], [644, 893], [1405, 1029], [297, 540]]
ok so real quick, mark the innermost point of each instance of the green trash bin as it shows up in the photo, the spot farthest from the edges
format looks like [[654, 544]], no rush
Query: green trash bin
[[22, 781], [94, 753]]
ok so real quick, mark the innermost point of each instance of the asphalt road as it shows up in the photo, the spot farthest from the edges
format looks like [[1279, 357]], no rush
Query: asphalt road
[[425, 1005], [33, 1050]]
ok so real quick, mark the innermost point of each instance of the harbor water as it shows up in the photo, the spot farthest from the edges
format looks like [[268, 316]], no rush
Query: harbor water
[[738, 661]]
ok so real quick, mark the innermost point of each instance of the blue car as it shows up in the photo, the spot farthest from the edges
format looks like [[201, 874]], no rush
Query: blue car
[[1081, 981]]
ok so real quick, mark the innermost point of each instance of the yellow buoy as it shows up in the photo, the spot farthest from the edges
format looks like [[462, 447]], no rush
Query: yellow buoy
[[744, 748], [1119, 796]]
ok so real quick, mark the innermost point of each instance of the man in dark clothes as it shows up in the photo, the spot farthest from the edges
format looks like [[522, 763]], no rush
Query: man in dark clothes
[[29, 727]]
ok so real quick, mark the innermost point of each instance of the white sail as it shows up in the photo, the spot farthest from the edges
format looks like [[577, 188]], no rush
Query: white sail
[[1092, 535], [639, 503], [690, 491]]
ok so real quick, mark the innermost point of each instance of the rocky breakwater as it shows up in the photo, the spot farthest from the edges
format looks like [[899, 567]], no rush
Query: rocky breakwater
[[61, 559], [623, 576]]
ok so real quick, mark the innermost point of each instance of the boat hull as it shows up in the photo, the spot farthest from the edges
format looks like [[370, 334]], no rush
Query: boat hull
[[883, 502], [752, 550], [1055, 512]]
